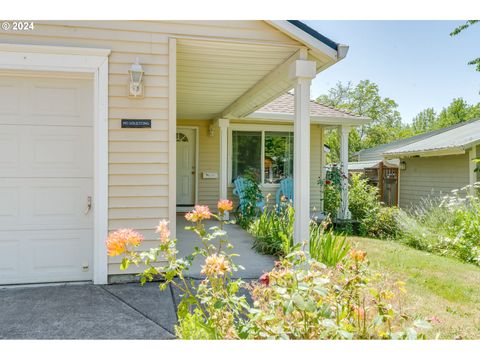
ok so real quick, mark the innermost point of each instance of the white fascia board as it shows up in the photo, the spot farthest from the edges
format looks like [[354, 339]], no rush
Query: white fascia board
[[426, 153], [327, 120], [45, 49], [317, 47]]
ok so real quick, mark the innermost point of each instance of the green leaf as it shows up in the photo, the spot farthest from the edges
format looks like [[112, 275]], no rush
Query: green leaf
[[422, 324], [125, 263], [298, 300]]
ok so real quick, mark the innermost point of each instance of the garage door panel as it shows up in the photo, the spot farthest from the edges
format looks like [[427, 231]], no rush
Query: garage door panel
[[62, 255], [9, 256], [59, 152], [10, 92], [46, 151], [46, 203], [46, 177], [9, 151], [51, 101], [54, 100]]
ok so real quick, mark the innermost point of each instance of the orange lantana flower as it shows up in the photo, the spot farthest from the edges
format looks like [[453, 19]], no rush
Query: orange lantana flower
[[198, 213], [118, 241], [224, 205]]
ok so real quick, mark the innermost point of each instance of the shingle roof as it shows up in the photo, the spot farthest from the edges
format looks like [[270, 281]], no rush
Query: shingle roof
[[459, 136], [284, 104]]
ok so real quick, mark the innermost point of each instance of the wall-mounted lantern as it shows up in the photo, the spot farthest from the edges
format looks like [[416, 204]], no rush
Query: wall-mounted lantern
[[136, 80], [403, 165]]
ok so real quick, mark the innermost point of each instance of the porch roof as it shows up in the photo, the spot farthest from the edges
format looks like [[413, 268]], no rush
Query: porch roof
[[282, 108], [222, 77]]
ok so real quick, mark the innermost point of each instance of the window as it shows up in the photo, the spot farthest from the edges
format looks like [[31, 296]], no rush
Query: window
[[266, 154], [246, 153], [278, 159]]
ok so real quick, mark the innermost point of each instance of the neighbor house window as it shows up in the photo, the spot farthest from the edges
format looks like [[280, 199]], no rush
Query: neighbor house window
[[268, 155]]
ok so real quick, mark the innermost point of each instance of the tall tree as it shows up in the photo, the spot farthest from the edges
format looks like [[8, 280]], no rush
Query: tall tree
[[363, 99], [458, 111], [424, 121]]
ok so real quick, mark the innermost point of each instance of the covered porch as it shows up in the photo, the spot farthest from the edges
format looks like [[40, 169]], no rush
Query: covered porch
[[219, 86]]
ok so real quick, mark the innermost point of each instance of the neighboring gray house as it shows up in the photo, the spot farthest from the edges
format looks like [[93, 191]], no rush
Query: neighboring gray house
[[434, 163]]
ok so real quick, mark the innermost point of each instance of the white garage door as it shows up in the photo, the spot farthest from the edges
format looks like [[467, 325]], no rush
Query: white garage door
[[46, 177]]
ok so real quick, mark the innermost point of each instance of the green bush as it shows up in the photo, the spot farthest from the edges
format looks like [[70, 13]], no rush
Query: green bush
[[247, 213], [448, 227], [273, 231], [327, 247]]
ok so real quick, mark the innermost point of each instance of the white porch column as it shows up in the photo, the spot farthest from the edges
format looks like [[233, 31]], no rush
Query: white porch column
[[344, 212], [303, 71], [223, 126]]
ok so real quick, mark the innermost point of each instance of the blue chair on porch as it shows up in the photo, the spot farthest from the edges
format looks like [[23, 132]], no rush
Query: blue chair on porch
[[240, 186], [284, 192]]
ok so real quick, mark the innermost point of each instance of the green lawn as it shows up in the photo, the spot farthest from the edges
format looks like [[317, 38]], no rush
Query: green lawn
[[439, 286]]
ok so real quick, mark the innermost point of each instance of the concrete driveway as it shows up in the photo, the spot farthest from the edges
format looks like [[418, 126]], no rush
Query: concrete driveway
[[123, 311]]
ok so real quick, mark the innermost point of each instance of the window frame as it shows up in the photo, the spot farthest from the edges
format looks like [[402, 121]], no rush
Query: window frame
[[262, 130]]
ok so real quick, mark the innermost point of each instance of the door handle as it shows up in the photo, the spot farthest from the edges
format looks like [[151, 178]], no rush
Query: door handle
[[89, 205]]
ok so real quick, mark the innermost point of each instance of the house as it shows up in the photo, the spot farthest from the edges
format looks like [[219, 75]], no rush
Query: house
[[433, 164], [109, 124]]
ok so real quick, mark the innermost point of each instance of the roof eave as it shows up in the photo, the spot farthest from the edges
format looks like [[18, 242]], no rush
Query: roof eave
[[316, 47], [457, 150], [327, 120]]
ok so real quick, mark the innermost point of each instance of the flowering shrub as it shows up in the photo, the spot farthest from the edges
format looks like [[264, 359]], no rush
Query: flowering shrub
[[299, 299], [303, 299]]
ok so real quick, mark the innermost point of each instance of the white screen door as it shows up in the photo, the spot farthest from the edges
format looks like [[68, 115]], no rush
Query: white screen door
[[186, 167]]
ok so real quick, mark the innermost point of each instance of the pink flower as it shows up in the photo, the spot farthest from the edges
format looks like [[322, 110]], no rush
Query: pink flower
[[118, 241], [224, 205], [434, 320], [265, 279], [198, 213], [216, 265], [163, 230]]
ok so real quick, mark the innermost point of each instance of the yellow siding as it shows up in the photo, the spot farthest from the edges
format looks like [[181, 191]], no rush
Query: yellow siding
[[432, 176], [138, 159]]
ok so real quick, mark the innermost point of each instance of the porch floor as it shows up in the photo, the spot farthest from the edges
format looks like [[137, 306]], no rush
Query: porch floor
[[255, 264]]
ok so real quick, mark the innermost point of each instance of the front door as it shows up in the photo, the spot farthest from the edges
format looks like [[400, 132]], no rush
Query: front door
[[186, 167]]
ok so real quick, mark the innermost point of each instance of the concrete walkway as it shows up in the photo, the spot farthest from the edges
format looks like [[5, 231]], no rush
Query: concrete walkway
[[254, 263]]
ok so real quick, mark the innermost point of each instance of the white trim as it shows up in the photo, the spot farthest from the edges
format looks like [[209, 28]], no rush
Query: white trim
[[318, 48], [83, 60], [315, 119], [472, 175], [46, 49], [197, 149], [172, 130]]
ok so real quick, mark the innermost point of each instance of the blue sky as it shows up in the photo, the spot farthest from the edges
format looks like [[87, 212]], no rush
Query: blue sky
[[416, 63]]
